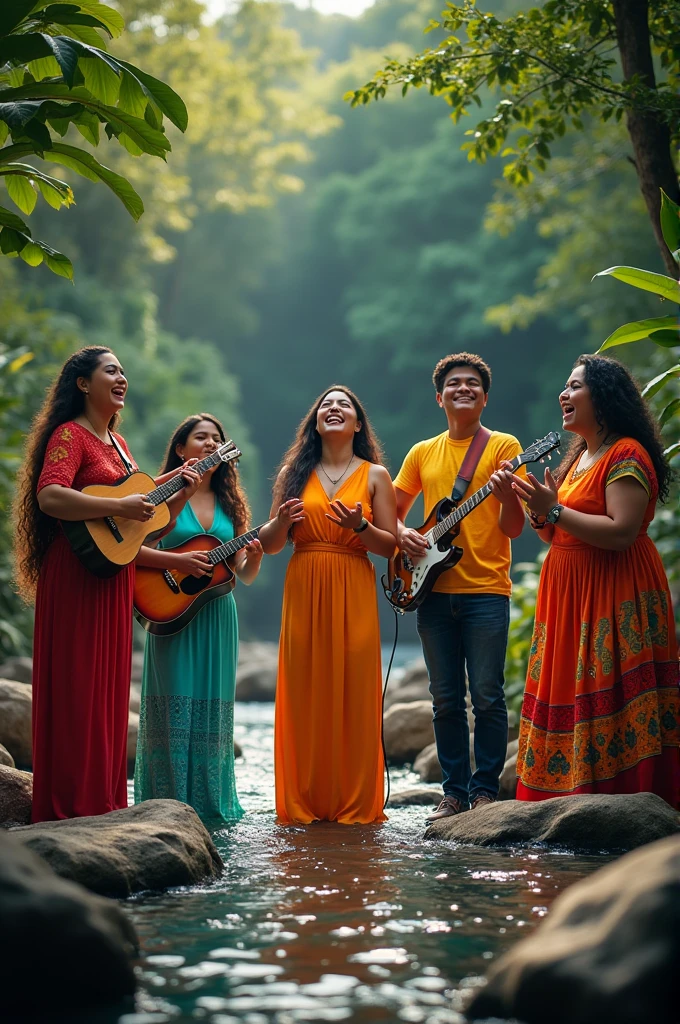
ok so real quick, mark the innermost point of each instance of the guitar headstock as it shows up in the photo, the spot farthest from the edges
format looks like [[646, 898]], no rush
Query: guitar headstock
[[540, 448], [228, 451]]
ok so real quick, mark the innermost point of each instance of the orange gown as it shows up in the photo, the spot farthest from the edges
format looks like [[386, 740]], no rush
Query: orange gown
[[327, 736], [601, 710]]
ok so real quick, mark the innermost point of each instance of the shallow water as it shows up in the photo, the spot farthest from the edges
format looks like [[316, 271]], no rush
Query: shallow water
[[329, 922]]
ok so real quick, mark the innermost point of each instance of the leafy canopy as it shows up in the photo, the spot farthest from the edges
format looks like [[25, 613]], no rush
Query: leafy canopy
[[551, 65], [56, 72]]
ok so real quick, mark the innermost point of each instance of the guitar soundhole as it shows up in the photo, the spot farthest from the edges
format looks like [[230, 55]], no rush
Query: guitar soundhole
[[195, 584]]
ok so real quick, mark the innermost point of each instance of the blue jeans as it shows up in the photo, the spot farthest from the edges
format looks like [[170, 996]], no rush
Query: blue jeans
[[459, 630]]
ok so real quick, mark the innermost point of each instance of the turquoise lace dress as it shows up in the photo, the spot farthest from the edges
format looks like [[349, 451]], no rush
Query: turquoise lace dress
[[185, 749]]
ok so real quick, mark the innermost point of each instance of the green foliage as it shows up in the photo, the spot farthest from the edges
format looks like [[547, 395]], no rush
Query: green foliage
[[551, 66], [55, 72], [522, 612]]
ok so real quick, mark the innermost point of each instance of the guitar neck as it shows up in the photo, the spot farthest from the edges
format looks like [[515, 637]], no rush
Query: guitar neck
[[176, 483], [466, 508], [230, 547]]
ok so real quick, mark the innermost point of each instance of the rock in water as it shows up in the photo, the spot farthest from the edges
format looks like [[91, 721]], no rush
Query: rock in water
[[20, 669], [16, 795], [592, 822], [157, 844], [427, 765], [15, 720], [423, 796], [57, 938], [5, 757], [608, 951], [408, 729]]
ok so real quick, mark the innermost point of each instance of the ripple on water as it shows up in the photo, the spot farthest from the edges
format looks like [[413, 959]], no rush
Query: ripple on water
[[368, 923]]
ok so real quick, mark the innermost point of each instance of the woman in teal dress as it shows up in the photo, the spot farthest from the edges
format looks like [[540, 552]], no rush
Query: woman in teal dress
[[185, 749]]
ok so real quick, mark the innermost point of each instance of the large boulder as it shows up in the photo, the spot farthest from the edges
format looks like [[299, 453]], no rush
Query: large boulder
[[591, 822], [608, 951], [57, 938], [6, 758], [256, 671], [412, 684], [15, 720], [427, 765], [154, 845], [20, 669], [407, 730], [16, 794]]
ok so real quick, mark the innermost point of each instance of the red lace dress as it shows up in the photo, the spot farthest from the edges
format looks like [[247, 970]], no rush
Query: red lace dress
[[81, 654]]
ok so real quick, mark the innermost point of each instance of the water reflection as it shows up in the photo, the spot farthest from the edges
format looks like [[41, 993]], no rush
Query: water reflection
[[330, 922]]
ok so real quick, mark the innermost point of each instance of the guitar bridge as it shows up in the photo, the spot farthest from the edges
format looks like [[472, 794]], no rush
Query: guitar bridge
[[113, 527], [171, 581]]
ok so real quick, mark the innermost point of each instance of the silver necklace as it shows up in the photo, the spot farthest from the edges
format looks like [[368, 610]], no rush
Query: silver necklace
[[338, 479], [95, 432], [583, 466]]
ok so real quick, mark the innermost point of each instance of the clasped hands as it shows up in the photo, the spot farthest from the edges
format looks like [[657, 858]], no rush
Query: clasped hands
[[538, 497]]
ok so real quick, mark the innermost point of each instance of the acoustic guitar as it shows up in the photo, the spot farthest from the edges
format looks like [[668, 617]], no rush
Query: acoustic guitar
[[106, 545], [409, 580], [166, 600]]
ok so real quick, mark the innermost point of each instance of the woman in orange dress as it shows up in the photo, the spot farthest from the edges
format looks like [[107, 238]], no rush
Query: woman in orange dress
[[601, 711], [336, 500]]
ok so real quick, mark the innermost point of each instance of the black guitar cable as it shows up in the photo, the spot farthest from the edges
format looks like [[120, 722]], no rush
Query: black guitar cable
[[387, 679]]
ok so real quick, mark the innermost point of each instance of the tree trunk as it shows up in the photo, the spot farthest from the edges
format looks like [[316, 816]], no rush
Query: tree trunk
[[650, 136]]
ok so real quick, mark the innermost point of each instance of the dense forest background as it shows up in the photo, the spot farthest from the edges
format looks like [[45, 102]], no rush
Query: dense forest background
[[292, 242]]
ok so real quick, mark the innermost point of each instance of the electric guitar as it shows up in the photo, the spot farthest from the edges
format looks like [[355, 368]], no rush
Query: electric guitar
[[166, 600], [106, 545], [410, 579]]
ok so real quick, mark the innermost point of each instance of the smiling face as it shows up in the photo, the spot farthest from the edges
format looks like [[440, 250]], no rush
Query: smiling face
[[336, 416], [204, 438], [462, 393], [578, 412], [107, 387]]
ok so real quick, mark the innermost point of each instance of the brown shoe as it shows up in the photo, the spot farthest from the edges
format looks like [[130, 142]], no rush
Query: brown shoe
[[481, 800], [449, 806]]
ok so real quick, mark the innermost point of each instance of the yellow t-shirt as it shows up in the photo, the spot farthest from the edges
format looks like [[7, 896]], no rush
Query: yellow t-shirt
[[431, 467]]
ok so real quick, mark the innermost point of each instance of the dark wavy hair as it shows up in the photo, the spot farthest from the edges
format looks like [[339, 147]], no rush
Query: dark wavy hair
[[619, 409], [225, 481], [34, 530], [305, 451]]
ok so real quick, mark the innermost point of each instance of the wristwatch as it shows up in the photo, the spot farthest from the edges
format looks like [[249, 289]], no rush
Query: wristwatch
[[361, 527], [554, 514]]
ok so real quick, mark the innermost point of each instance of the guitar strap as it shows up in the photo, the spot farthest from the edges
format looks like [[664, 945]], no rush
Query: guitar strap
[[129, 468], [470, 463]]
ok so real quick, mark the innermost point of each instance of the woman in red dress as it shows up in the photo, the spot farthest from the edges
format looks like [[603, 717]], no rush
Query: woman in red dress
[[83, 625]]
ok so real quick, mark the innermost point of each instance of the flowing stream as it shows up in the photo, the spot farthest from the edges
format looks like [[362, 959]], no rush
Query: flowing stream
[[329, 922]]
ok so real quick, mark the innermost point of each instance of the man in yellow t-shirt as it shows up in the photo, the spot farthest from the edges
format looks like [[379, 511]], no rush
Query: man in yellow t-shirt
[[464, 621]]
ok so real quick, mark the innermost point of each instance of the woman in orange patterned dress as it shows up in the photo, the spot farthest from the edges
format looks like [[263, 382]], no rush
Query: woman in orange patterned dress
[[601, 711], [336, 500]]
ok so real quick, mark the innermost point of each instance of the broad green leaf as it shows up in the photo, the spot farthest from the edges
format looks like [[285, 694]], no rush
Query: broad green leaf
[[88, 125], [52, 195], [655, 385], [638, 329], [21, 192], [100, 79], [24, 48], [165, 98], [10, 220], [670, 223], [147, 138], [46, 67], [58, 263], [674, 450], [12, 12], [86, 165], [666, 338], [132, 97], [106, 15], [666, 287], [127, 143], [12, 241], [33, 173], [671, 410], [4, 132], [84, 34], [32, 254]]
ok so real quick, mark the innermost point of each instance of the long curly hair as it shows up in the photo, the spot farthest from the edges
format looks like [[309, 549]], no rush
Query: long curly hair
[[305, 451], [34, 530], [225, 481], [619, 409]]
